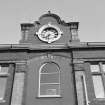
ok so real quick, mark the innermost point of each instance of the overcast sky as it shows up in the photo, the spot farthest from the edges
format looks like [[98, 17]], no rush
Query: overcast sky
[[90, 14]]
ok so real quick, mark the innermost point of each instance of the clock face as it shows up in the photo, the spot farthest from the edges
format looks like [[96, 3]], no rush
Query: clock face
[[49, 33]]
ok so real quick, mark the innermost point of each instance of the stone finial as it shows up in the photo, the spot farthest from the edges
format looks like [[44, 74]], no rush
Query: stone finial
[[49, 12]]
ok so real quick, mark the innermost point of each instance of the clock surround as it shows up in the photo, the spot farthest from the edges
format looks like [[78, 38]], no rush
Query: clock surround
[[49, 33]]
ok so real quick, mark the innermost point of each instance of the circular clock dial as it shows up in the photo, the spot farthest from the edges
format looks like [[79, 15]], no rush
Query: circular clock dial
[[49, 33]]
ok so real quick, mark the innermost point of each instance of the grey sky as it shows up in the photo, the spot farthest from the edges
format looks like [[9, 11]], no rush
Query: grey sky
[[90, 14]]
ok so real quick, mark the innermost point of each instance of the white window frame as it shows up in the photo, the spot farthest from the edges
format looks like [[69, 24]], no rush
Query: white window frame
[[4, 75], [10, 76], [39, 95], [100, 73]]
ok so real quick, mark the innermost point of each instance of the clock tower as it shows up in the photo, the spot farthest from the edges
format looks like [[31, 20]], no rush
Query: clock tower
[[50, 66], [49, 29], [49, 59]]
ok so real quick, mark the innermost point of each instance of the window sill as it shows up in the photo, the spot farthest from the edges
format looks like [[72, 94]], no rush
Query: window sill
[[2, 101], [4, 74], [99, 99], [49, 96]]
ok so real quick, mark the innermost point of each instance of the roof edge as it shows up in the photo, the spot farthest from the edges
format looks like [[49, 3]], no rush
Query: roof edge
[[57, 46]]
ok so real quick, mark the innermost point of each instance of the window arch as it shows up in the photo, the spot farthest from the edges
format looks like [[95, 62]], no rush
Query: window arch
[[49, 80]]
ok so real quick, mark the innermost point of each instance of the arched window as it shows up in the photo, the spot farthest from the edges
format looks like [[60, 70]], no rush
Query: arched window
[[49, 80]]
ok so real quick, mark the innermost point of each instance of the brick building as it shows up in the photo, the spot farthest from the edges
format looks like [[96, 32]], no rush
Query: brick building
[[50, 66]]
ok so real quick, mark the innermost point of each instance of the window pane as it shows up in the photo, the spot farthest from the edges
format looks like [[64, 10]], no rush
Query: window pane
[[3, 82], [94, 68], [49, 89], [98, 86], [49, 68], [3, 70], [50, 78], [103, 66]]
